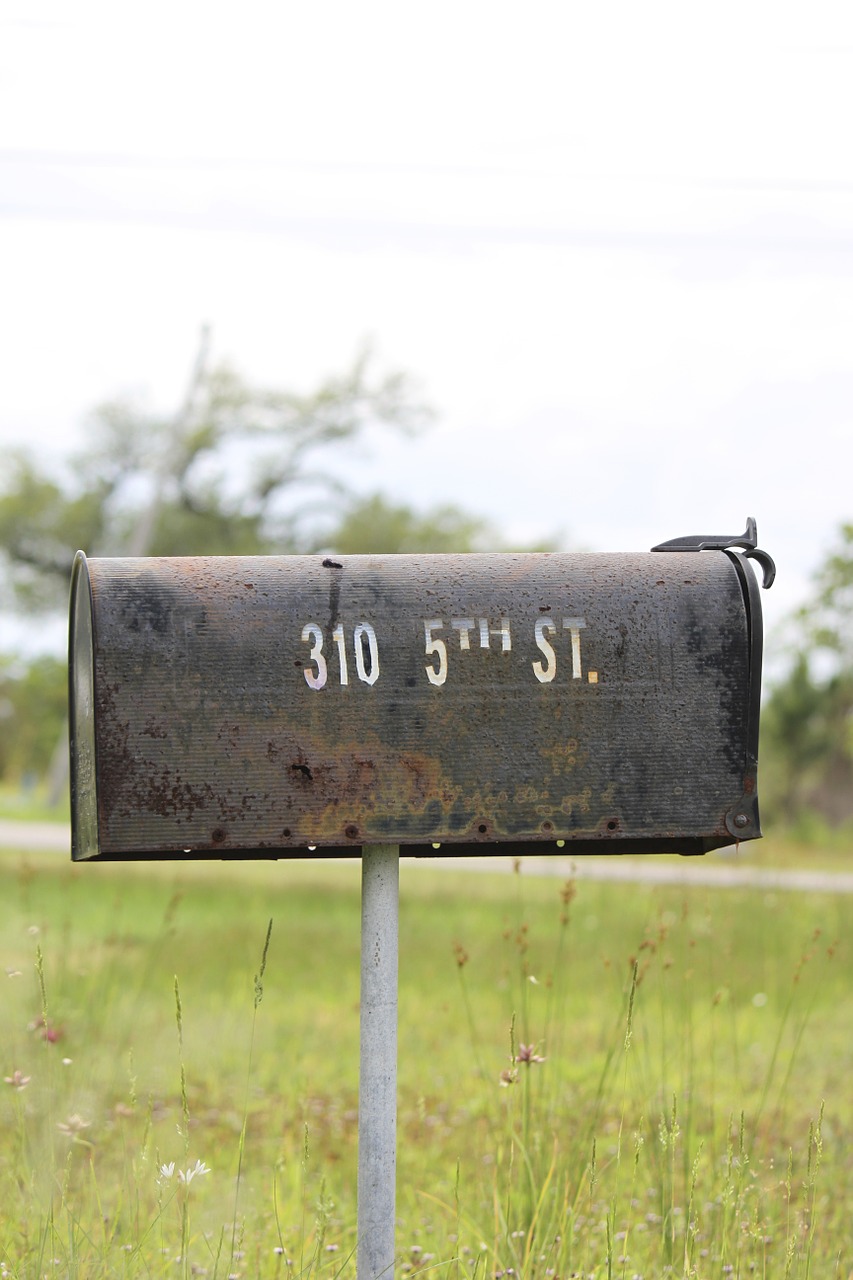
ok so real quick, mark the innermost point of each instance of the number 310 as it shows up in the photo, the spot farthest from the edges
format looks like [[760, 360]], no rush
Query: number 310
[[365, 652]]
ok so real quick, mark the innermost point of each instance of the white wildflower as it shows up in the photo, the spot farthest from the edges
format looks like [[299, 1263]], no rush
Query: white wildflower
[[167, 1171], [199, 1168], [18, 1080], [74, 1125]]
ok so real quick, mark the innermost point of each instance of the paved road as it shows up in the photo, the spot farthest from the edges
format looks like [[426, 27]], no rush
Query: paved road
[[669, 869], [715, 871], [44, 836]]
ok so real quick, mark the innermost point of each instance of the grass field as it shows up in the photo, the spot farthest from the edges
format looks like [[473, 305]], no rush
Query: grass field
[[594, 1080]]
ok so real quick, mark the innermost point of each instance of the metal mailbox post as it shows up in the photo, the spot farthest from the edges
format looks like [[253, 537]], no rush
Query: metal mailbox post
[[301, 706]]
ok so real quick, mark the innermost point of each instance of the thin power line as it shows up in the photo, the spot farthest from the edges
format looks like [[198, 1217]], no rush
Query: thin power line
[[201, 163]]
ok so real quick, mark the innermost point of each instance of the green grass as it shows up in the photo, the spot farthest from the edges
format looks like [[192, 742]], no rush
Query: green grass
[[31, 804], [693, 1109]]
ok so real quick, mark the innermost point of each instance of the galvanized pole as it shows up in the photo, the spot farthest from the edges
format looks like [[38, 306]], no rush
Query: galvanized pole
[[377, 1091]]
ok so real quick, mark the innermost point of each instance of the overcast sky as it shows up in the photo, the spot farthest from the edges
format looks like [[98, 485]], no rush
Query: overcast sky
[[614, 243]]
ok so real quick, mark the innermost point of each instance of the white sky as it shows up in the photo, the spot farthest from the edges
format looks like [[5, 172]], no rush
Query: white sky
[[614, 243]]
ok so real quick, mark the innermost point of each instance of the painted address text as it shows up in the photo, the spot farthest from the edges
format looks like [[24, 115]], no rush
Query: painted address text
[[353, 651]]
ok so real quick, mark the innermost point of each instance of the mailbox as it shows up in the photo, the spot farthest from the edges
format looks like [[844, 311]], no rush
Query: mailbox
[[297, 706]]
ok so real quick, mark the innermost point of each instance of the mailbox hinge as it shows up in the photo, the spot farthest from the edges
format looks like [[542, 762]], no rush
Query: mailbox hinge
[[716, 542], [742, 819]]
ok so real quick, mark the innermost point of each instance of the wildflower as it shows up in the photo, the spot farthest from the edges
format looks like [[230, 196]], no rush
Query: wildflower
[[13, 973], [47, 1031], [165, 1171], [508, 1077], [526, 1054], [18, 1080], [187, 1177], [74, 1125]]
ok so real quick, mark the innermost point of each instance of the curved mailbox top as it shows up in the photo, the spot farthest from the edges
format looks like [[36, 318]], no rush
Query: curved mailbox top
[[295, 705]]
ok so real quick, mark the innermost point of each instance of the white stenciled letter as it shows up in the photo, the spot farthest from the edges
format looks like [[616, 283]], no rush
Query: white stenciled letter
[[464, 626], [545, 673], [311, 631], [575, 625], [437, 647], [503, 631], [364, 639]]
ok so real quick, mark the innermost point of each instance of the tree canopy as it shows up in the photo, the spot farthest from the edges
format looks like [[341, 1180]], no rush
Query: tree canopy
[[808, 715], [32, 710], [240, 470]]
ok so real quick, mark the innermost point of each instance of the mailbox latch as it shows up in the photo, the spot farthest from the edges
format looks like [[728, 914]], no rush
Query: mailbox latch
[[748, 540]]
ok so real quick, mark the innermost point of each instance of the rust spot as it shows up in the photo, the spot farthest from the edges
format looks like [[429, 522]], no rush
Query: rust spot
[[419, 783], [331, 564], [351, 831], [217, 835], [303, 770]]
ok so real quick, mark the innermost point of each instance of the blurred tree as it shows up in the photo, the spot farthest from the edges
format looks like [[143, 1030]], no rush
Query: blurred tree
[[373, 525], [241, 470], [32, 710], [808, 716], [828, 618]]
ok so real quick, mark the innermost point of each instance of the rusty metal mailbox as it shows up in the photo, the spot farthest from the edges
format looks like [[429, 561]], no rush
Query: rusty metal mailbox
[[299, 706]]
